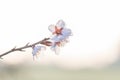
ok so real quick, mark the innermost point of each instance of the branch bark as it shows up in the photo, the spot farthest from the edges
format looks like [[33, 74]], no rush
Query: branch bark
[[44, 42]]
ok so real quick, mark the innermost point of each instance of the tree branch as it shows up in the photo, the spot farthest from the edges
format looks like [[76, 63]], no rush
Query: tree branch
[[44, 42]]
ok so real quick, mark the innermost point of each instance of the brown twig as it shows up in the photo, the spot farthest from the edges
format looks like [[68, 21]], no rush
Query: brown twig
[[44, 42]]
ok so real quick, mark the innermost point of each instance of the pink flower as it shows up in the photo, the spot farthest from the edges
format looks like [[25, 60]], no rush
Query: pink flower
[[57, 29], [60, 34]]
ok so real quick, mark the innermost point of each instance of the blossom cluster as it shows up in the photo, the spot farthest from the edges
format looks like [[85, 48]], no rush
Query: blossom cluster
[[60, 36]]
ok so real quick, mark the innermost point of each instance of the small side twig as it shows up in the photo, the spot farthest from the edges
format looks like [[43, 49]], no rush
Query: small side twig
[[44, 42]]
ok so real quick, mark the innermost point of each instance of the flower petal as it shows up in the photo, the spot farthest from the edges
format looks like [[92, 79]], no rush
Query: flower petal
[[55, 48], [66, 32], [55, 39], [51, 28], [37, 49], [60, 24]]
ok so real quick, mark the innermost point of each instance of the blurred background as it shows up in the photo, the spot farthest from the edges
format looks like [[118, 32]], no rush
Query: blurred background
[[93, 52]]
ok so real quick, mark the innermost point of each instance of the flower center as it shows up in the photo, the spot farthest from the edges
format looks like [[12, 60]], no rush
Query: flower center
[[57, 31]]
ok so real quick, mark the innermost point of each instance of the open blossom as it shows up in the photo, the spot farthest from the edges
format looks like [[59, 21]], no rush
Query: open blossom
[[61, 34], [36, 50], [56, 29], [59, 30]]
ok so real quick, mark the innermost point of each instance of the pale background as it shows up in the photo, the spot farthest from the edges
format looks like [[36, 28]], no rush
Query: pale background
[[95, 25]]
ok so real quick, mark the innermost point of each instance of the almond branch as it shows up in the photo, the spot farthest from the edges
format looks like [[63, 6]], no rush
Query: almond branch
[[44, 42]]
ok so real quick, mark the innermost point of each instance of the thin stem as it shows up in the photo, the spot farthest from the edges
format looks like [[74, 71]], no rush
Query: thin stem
[[44, 42]]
